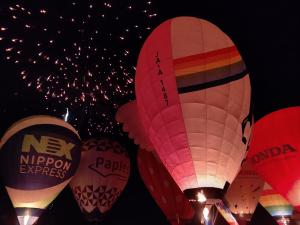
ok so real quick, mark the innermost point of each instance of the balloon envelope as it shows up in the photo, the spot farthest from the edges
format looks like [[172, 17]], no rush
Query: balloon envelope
[[102, 175], [244, 192], [274, 152], [129, 116], [163, 189], [40, 155], [193, 95], [275, 204]]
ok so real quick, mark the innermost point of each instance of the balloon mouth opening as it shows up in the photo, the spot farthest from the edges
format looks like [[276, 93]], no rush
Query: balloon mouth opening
[[202, 195], [27, 220], [203, 201], [28, 216]]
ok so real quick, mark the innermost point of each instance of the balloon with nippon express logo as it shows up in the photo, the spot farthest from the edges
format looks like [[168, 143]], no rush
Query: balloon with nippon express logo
[[102, 175], [193, 95], [40, 155]]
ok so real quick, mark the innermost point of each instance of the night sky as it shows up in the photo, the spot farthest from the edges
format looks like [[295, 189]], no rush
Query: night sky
[[267, 36]]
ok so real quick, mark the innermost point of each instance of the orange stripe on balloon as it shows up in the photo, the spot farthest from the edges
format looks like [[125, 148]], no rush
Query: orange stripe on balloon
[[202, 61], [273, 200], [204, 55], [205, 67]]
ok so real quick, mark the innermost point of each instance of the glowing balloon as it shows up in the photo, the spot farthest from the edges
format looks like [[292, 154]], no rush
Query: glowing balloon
[[128, 115], [163, 189], [102, 175], [244, 192], [274, 152], [40, 155], [276, 205], [193, 95]]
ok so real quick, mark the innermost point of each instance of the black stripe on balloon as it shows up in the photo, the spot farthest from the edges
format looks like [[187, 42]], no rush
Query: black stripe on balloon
[[214, 83]]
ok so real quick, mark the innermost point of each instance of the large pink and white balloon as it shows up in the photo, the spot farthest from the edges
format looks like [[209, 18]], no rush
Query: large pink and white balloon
[[193, 96]]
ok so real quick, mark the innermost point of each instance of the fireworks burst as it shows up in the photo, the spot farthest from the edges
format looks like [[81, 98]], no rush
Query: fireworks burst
[[78, 55]]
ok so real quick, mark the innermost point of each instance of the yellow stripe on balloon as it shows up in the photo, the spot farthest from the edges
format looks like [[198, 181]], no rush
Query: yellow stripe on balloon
[[272, 200]]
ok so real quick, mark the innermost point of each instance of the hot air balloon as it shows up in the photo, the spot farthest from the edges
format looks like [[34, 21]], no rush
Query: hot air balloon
[[244, 192], [163, 189], [193, 96], [102, 175], [276, 205], [274, 152], [128, 115], [40, 155]]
